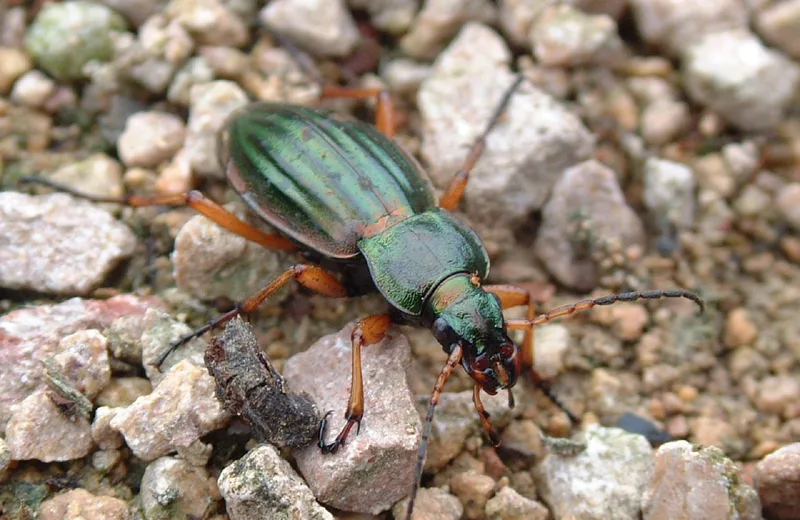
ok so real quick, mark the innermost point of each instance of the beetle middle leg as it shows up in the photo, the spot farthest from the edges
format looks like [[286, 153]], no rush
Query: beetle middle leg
[[310, 276], [513, 296], [384, 112], [368, 331], [455, 190], [193, 199]]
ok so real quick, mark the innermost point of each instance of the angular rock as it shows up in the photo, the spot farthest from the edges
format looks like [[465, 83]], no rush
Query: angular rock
[[161, 331], [29, 336], [39, 430], [173, 488], [507, 504], [106, 437], [664, 120], [694, 483], [210, 22], [392, 16], [674, 24], [779, 25], [180, 410], [606, 480], [86, 25], [777, 480], [735, 75], [122, 391], [79, 504], [150, 138], [322, 27], [365, 475], [84, 361], [55, 244], [669, 192], [474, 490], [263, 485], [211, 104], [439, 21], [525, 153], [431, 503], [98, 175], [210, 262], [586, 211], [563, 36]]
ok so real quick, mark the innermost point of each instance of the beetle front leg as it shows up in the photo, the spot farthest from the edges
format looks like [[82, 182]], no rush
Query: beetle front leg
[[310, 276], [368, 331]]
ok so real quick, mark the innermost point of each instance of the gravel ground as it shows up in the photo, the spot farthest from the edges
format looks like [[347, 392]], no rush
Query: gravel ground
[[653, 144]]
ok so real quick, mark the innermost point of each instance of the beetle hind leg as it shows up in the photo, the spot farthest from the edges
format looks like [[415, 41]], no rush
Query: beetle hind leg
[[368, 331]]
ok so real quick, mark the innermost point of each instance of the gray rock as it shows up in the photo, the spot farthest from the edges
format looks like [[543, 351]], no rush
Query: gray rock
[[161, 330], [210, 262], [211, 104], [777, 479], [432, 503], [392, 16], [405, 76], [375, 468], [31, 335], [83, 360], [180, 410], [779, 25], [674, 24], [39, 430], [552, 341], [322, 27], [79, 504], [563, 36], [586, 215], [734, 74], [527, 151], [210, 22], [55, 244], [98, 175], [196, 71], [106, 437], [150, 138], [440, 20], [669, 192], [604, 481], [507, 504], [695, 483], [173, 488], [89, 28], [263, 485]]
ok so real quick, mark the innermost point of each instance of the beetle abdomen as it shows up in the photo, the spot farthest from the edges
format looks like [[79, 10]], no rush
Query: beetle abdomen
[[408, 260], [324, 182]]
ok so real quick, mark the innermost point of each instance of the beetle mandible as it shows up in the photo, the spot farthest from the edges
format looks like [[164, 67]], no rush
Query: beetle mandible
[[343, 190]]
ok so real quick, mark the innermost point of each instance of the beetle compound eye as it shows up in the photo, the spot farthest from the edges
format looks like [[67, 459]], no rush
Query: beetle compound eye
[[444, 333]]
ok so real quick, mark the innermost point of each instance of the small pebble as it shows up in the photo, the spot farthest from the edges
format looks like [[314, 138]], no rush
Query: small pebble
[[150, 138], [322, 27], [629, 320], [123, 391], [180, 410], [777, 479], [391, 16], [87, 26], [474, 490], [669, 189], [211, 104], [83, 360], [79, 504], [779, 25], [106, 437], [552, 342], [375, 467], [33, 89], [173, 488], [431, 504], [697, 483], [563, 36], [739, 330], [38, 429], [507, 504], [55, 244], [5, 458], [523, 439], [734, 74], [106, 460], [162, 331], [778, 395], [664, 121], [210, 22], [714, 431], [610, 474], [97, 175], [439, 20], [196, 71], [788, 203], [13, 64], [263, 485]]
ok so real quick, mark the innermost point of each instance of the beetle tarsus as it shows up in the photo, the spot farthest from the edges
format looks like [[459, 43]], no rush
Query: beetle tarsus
[[338, 442]]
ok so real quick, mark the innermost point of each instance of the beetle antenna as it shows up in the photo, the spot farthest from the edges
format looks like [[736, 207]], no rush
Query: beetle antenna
[[611, 299], [63, 188], [447, 369]]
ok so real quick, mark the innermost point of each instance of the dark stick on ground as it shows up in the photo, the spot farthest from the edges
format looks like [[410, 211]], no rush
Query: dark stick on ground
[[250, 387]]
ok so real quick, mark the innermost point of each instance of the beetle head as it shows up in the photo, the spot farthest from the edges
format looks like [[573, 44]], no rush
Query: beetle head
[[466, 315]]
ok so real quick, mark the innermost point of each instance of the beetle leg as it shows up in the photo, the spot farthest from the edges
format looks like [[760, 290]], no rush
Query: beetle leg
[[368, 331], [384, 112], [455, 190], [311, 276], [193, 199], [513, 296], [484, 415]]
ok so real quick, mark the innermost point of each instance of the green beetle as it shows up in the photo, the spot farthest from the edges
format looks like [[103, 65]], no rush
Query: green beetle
[[342, 192]]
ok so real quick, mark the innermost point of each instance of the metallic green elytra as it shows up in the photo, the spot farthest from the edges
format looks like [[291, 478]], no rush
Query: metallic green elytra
[[343, 189]]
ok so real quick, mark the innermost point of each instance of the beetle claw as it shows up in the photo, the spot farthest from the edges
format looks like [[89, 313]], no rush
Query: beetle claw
[[334, 446]]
